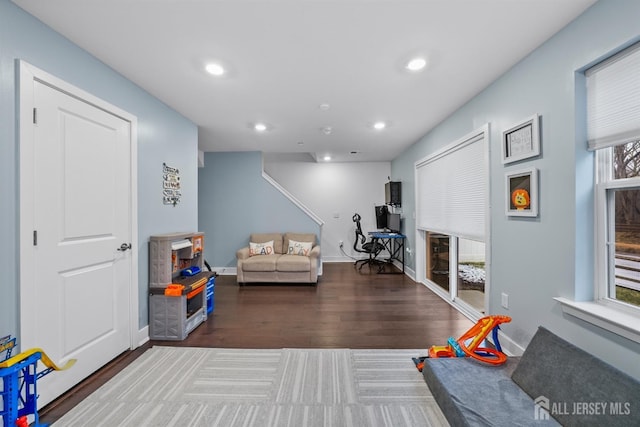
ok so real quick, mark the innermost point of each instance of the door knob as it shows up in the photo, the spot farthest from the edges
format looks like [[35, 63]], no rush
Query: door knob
[[123, 247]]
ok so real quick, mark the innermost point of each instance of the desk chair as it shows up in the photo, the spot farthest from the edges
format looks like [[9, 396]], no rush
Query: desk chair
[[372, 247]]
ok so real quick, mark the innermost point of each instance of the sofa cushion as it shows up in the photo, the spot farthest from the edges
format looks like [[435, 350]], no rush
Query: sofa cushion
[[472, 393], [572, 381], [265, 237], [299, 248], [293, 263], [261, 248], [261, 263], [299, 237]]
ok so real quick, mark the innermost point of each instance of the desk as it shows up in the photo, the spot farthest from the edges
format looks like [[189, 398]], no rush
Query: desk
[[393, 243]]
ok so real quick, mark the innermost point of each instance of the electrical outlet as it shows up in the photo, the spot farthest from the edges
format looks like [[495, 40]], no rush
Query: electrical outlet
[[505, 300]]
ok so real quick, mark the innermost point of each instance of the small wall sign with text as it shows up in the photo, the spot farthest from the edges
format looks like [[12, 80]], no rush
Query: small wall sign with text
[[521, 141], [170, 185]]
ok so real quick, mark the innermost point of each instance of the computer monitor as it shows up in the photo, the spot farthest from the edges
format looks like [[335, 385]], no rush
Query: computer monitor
[[393, 222], [381, 217]]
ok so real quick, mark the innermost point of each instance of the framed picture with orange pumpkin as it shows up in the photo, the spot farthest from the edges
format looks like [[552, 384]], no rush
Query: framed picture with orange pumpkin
[[522, 193]]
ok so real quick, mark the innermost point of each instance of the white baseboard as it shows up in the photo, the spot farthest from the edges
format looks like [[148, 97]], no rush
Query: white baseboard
[[407, 271], [143, 336], [337, 259], [225, 271], [509, 347], [232, 271]]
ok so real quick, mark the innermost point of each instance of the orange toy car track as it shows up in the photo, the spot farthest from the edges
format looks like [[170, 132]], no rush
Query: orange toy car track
[[476, 335]]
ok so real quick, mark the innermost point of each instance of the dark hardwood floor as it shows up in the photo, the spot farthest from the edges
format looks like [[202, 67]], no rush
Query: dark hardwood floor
[[347, 309]]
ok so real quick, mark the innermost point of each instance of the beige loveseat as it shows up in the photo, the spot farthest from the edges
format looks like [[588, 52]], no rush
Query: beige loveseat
[[293, 258]]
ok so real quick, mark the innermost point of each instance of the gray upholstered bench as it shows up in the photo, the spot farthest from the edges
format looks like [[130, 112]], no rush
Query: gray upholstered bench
[[553, 383]]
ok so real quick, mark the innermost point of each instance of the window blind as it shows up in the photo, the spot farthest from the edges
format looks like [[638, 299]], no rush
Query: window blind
[[451, 190], [613, 100]]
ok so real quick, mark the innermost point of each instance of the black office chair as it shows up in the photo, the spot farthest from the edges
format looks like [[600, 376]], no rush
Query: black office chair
[[372, 247]]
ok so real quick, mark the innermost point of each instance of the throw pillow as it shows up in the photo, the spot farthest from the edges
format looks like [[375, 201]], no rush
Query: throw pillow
[[265, 248], [299, 248]]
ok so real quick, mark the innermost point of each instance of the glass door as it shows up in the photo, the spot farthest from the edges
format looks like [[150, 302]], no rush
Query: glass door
[[457, 267], [438, 259], [471, 273]]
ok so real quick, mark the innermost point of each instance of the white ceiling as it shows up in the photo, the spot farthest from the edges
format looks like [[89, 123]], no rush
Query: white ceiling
[[286, 57]]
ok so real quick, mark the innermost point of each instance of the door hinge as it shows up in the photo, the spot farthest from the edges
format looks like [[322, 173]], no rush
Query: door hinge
[[35, 116], [35, 237]]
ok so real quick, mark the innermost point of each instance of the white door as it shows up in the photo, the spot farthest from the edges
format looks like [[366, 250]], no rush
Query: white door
[[75, 302]]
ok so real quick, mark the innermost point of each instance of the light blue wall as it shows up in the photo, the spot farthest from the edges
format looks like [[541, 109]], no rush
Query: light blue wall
[[235, 201], [163, 136], [534, 260]]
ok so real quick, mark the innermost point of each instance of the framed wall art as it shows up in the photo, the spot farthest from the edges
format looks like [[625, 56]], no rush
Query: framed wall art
[[521, 141], [522, 193], [171, 192]]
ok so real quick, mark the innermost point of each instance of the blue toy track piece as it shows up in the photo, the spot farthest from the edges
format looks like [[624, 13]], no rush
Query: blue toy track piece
[[496, 342], [18, 385], [456, 347], [6, 345]]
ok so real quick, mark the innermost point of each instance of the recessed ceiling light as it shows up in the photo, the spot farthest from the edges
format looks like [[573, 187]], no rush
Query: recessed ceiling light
[[416, 64], [215, 69], [379, 125], [327, 130], [324, 106], [260, 127]]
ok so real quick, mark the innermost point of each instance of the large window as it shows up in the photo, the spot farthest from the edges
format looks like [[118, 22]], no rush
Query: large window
[[613, 122], [613, 129], [451, 190], [618, 200]]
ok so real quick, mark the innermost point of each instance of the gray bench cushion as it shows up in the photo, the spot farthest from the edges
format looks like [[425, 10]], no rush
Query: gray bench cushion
[[472, 393], [568, 376]]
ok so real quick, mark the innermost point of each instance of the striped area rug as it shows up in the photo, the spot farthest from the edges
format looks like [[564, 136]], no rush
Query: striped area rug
[[178, 386]]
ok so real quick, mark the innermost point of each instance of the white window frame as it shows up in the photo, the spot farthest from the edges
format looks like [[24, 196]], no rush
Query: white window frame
[[609, 313], [604, 225]]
